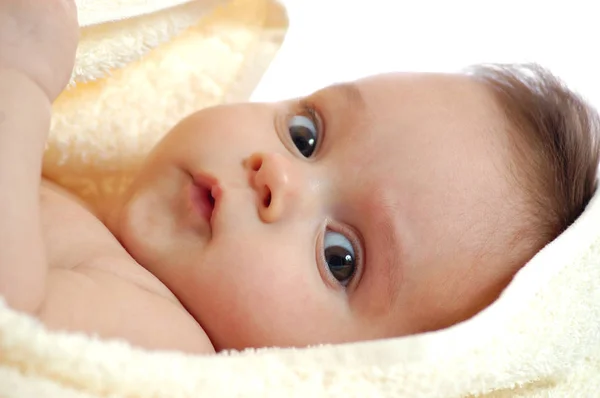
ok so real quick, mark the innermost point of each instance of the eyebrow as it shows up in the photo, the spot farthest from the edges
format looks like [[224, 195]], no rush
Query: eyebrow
[[389, 260], [350, 92]]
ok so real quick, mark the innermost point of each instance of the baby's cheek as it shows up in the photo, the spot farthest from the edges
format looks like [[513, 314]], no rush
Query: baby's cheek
[[245, 297]]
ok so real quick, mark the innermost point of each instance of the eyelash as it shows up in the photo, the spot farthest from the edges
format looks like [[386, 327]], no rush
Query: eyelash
[[311, 111]]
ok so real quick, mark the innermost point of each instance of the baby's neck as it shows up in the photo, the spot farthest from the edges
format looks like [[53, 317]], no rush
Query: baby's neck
[[109, 212], [105, 204]]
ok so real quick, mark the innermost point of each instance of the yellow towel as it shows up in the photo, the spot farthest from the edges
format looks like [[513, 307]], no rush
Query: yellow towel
[[137, 75]]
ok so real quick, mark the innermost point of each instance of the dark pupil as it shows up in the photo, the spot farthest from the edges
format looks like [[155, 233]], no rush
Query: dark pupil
[[341, 263], [304, 139]]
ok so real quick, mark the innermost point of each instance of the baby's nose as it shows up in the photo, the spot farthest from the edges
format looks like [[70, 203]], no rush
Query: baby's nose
[[278, 184]]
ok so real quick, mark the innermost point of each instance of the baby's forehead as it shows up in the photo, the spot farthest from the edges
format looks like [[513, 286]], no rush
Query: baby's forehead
[[401, 98], [388, 118], [423, 98], [395, 118]]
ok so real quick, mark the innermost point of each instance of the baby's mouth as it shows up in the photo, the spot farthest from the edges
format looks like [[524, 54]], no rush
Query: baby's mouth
[[205, 193]]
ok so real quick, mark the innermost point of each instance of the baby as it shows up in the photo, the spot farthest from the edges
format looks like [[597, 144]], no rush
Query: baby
[[393, 205]]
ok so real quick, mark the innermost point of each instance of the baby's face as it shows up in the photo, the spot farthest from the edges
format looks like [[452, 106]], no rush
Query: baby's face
[[374, 209]]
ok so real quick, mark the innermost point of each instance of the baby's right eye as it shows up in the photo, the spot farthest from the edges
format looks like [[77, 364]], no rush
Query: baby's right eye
[[339, 256], [304, 133]]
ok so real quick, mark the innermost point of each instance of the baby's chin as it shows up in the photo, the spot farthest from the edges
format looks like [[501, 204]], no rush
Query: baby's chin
[[150, 223]]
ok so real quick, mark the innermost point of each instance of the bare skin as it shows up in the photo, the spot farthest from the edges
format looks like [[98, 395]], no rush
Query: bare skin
[[94, 286], [407, 187]]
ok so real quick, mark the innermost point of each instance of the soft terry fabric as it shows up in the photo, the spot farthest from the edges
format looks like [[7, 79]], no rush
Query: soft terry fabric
[[540, 339]]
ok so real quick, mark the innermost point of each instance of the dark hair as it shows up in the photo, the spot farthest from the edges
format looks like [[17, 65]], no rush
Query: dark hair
[[554, 133]]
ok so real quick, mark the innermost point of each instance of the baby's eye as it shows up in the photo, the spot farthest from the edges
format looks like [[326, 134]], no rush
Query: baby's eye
[[304, 133], [339, 256]]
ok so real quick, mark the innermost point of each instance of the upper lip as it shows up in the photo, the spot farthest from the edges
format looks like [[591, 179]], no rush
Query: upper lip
[[210, 183]]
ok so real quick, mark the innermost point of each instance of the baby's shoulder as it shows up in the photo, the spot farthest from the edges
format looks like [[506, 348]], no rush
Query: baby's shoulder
[[76, 239], [94, 285]]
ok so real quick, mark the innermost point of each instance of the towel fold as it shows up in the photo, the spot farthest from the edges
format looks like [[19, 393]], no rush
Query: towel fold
[[94, 12], [116, 33]]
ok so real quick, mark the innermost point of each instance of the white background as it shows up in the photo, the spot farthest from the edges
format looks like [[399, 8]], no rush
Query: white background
[[335, 40]]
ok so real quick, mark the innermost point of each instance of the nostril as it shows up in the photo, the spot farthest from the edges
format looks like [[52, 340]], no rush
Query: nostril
[[267, 197]]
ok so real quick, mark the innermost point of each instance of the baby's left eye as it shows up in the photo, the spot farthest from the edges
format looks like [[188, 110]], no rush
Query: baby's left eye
[[339, 256], [304, 134]]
